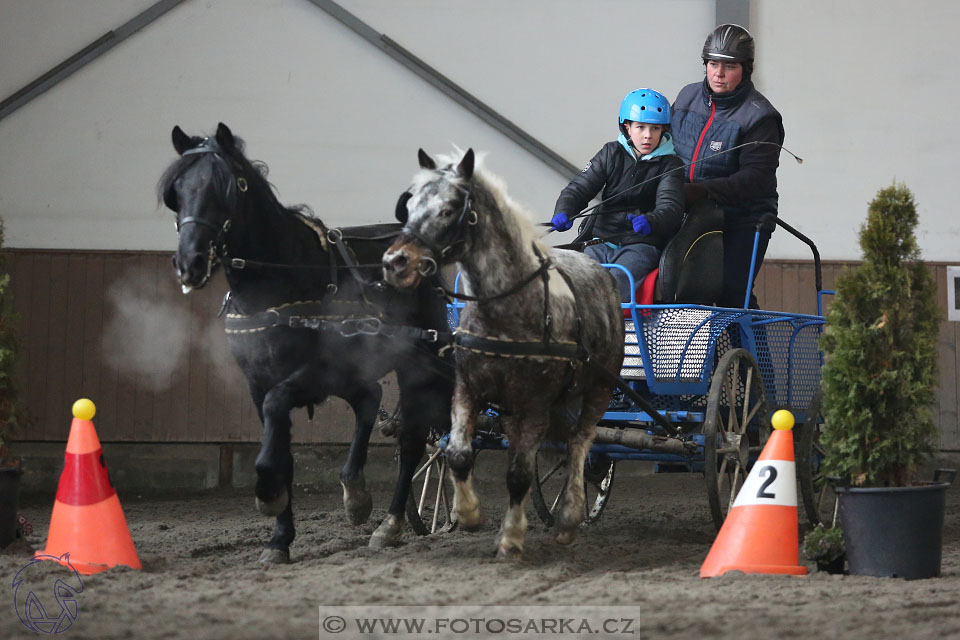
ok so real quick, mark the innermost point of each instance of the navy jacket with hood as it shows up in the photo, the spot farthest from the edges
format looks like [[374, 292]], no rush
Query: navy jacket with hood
[[614, 169]]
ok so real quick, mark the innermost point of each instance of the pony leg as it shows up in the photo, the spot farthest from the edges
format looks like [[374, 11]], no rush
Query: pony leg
[[277, 551], [424, 406], [274, 463], [513, 531], [356, 499], [572, 512], [459, 452], [412, 445]]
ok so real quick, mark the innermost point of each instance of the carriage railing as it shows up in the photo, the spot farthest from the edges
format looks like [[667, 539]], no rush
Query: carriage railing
[[673, 349]]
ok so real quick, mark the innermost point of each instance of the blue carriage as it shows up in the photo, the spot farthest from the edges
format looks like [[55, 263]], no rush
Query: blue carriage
[[697, 387]]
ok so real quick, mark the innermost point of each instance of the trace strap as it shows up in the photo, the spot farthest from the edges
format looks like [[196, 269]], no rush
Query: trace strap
[[316, 316]]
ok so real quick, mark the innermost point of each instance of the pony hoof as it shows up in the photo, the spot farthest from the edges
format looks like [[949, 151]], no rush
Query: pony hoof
[[274, 556], [566, 537], [509, 553], [359, 513], [387, 534], [357, 503], [274, 507], [472, 521]]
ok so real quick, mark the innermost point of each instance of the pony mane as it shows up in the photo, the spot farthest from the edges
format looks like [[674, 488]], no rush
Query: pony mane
[[494, 186], [255, 171]]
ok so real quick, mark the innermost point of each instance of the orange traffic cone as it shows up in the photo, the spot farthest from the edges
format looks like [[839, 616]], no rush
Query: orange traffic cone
[[760, 532], [87, 520]]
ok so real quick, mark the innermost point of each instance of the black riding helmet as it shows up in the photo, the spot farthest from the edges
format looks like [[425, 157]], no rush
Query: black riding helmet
[[730, 43]]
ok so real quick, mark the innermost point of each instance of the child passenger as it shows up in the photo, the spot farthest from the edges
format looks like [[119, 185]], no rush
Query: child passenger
[[634, 224]]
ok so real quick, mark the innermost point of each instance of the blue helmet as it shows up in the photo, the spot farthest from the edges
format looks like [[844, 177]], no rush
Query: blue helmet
[[645, 105]]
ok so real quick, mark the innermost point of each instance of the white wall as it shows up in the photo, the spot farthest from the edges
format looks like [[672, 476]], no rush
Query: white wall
[[863, 86], [338, 121], [868, 92]]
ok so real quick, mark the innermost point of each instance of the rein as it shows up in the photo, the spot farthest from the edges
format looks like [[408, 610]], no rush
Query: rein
[[541, 272], [586, 212], [218, 249]]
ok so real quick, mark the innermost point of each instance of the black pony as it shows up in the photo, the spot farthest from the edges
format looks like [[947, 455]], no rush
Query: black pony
[[306, 319]]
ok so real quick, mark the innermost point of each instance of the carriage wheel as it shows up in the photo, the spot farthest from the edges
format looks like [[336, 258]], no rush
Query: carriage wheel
[[430, 504], [550, 483], [735, 428], [819, 500]]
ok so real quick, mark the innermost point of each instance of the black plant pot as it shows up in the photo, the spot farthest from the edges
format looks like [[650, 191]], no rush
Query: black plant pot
[[9, 493], [831, 566], [893, 531]]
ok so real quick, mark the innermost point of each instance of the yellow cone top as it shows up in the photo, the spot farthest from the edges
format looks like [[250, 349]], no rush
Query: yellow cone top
[[84, 409], [782, 420]]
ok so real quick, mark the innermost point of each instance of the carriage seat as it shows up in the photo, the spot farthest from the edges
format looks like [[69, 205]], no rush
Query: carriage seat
[[691, 265]]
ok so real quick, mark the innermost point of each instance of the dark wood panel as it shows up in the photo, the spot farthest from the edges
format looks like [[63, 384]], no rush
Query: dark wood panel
[[69, 319], [35, 323], [197, 372], [109, 399], [72, 357], [169, 409], [92, 383], [949, 399], [55, 395], [117, 337]]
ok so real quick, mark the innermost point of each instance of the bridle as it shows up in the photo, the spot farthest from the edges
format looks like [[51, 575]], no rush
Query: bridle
[[217, 247], [442, 247]]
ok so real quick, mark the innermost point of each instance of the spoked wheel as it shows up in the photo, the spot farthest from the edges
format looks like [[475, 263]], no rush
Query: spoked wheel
[[430, 505], [550, 483], [735, 428], [819, 500]]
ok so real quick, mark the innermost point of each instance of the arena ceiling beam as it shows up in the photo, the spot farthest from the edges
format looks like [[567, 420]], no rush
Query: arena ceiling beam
[[83, 57], [449, 88]]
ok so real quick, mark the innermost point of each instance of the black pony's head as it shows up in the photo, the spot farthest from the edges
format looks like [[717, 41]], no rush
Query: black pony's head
[[204, 187]]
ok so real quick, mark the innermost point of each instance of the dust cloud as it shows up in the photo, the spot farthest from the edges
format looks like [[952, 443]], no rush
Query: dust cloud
[[147, 333]]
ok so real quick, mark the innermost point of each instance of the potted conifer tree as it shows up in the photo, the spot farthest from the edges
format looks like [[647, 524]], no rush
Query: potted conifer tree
[[878, 384]]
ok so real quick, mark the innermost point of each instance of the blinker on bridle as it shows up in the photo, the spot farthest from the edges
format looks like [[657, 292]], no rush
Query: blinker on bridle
[[210, 146], [467, 218]]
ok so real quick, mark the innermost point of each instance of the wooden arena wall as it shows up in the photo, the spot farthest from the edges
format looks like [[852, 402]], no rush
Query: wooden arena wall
[[114, 327]]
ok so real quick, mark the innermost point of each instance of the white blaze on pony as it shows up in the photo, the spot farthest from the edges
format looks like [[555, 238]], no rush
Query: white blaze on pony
[[540, 337]]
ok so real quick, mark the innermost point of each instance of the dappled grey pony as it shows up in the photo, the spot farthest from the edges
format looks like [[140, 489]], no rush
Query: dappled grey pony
[[540, 338]]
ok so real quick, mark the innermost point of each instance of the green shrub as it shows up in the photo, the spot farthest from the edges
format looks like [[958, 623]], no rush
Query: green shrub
[[823, 544], [880, 344]]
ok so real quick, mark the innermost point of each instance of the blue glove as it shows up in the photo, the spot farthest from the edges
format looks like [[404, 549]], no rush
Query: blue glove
[[561, 222], [641, 225]]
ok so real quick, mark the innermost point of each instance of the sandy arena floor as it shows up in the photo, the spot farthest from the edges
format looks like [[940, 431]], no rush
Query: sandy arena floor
[[201, 578]]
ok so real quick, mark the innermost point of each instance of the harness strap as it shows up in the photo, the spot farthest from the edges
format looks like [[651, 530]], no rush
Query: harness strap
[[547, 318], [510, 348], [545, 263], [316, 316], [349, 260]]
